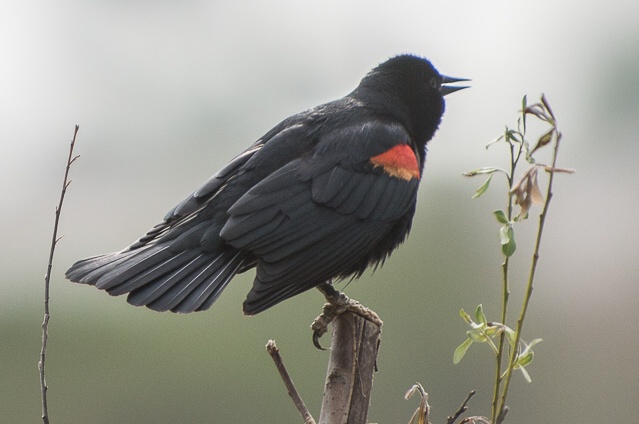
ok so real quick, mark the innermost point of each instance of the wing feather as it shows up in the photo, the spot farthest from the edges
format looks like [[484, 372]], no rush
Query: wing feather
[[279, 280], [318, 217]]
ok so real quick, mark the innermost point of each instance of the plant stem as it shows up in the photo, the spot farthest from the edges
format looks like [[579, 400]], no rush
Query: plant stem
[[47, 280], [500, 349], [272, 350], [505, 290], [531, 277]]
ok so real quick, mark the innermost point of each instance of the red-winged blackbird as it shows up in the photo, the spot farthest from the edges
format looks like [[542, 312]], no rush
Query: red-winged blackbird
[[323, 195]]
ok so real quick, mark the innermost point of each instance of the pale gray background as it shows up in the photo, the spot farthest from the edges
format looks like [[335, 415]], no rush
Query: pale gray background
[[166, 92]]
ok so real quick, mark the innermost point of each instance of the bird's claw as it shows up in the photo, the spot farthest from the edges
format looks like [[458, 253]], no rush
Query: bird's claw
[[336, 304]]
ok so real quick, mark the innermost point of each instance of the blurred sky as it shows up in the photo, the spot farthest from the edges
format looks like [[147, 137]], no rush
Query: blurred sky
[[166, 92]]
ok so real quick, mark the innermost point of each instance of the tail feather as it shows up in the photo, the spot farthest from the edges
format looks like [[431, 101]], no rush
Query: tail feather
[[160, 278], [210, 288], [129, 266], [151, 273], [89, 270], [158, 292]]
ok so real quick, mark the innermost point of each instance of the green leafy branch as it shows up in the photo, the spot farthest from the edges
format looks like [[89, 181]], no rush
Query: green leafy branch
[[511, 351], [484, 331]]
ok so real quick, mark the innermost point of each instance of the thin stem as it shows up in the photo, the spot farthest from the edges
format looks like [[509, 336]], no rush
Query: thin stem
[[531, 276], [505, 287], [47, 280], [502, 338], [463, 408], [272, 349]]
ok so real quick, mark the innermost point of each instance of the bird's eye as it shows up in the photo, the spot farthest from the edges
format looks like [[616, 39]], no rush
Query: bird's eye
[[434, 83]]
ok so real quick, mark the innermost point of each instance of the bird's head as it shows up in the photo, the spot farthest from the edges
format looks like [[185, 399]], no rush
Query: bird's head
[[410, 89]]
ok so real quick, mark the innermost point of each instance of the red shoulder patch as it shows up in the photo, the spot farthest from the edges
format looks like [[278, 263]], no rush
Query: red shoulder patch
[[398, 161]]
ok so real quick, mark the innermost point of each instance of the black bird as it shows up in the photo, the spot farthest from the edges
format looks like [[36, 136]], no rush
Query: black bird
[[323, 195]]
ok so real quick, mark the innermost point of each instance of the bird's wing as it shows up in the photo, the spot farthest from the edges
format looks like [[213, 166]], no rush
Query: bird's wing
[[181, 264], [177, 265], [188, 209], [318, 216]]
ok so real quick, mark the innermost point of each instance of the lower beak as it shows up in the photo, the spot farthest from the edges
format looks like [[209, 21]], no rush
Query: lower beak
[[447, 89]]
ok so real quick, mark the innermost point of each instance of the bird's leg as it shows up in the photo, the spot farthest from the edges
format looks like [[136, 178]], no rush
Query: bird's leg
[[337, 303]]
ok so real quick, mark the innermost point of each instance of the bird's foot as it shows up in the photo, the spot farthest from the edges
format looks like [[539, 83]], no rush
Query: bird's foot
[[336, 304]]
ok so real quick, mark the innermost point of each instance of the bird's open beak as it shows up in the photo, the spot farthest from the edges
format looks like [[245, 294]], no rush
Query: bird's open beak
[[447, 89]]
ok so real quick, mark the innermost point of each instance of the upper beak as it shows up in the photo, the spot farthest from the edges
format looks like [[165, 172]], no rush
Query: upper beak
[[446, 89]]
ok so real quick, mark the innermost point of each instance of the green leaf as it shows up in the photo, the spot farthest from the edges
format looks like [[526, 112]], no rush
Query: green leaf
[[534, 342], [507, 240], [543, 140], [493, 329], [481, 190], [477, 335], [504, 234], [526, 375], [526, 359], [513, 136], [501, 216], [479, 314], [524, 105], [481, 171], [461, 351], [509, 248], [496, 140], [465, 316], [511, 335], [526, 356]]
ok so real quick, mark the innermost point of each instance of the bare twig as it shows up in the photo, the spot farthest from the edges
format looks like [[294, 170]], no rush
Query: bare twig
[[475, 420], [47, 279], [463, 408], [352, 362], [272, 349]]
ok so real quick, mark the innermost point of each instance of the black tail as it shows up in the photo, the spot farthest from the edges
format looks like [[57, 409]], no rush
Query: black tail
[[160, 278]]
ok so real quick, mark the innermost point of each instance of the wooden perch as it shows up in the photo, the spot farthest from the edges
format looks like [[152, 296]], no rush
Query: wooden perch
[[349, 378], [352, 361]]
